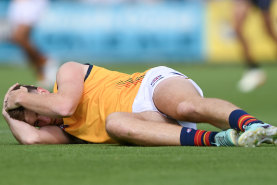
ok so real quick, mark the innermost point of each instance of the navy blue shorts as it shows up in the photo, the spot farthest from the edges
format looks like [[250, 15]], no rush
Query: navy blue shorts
[[264, 5]]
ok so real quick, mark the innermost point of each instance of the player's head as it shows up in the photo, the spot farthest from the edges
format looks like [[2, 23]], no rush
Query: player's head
[[28, 116]]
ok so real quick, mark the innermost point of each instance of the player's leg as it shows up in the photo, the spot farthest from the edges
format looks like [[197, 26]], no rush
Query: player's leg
[[241, 10], [21, 36], [23, 15], [134, 128], [178, 98], [268, 25], [254, 76], [153, 129]]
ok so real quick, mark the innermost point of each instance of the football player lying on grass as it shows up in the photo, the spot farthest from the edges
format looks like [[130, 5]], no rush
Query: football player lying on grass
[[158, 107]]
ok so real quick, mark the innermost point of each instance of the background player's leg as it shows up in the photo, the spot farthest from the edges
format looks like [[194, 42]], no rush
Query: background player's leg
[[268, 25], [21, 36], [241, 10], [254, 76]]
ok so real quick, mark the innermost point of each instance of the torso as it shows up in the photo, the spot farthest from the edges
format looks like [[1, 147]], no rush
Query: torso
[[104, 92]]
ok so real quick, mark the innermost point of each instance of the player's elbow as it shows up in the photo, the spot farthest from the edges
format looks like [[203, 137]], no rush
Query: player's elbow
[[65, 112], [31, 140], [28, 142], [66, 109]]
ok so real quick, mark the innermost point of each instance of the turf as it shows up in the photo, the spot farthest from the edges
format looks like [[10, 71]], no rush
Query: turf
[[118, 165]]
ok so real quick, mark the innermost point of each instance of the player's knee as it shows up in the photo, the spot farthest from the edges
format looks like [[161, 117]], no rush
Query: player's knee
[[186, 110]]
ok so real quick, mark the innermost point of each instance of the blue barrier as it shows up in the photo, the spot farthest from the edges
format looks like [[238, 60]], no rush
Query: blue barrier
[[124, 32]]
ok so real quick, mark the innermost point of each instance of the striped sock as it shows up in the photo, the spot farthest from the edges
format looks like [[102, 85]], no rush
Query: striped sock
[[191, 137], [239, 118]]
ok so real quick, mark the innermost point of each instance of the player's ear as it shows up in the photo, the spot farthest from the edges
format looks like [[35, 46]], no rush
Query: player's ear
[[42, 90]]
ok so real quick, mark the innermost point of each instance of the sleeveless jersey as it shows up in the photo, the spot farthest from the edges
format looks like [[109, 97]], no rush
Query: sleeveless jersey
[[104, 92]]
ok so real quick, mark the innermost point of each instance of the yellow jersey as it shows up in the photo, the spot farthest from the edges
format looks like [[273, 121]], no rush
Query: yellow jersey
[[104, 92]]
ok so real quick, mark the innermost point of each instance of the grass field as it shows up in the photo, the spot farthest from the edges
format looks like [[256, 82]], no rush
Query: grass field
[[120, 165]]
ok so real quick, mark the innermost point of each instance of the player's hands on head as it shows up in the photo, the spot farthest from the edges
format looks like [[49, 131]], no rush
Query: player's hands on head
[[11, 95], [4, 113]]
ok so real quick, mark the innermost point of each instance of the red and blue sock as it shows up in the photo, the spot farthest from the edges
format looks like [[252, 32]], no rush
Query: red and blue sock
[[238, 119], [192, 137]]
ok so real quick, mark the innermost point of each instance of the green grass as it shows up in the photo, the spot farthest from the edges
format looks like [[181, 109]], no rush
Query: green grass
[[118, 165]]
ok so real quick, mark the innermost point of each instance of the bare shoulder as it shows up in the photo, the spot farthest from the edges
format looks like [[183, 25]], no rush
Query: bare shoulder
[[74, 66]]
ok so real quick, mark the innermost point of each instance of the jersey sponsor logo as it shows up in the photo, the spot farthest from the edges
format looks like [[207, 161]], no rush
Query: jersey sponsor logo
[[156, 79], [130, 81]]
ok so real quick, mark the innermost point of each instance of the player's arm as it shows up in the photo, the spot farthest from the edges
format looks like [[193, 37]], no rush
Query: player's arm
[[28, 134], [70, 81]]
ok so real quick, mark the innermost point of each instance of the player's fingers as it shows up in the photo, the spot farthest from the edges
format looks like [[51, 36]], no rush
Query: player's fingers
[[5, 102], [12, 87], [24, 89]]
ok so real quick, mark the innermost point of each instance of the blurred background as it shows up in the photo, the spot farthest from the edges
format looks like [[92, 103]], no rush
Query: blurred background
[[112, 31], [133, 35]]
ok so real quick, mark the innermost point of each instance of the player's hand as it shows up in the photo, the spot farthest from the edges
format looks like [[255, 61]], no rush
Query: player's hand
[[10, 97], [4, 112]]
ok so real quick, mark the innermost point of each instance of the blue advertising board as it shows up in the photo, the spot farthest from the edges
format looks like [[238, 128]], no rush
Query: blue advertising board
[[124, 32]]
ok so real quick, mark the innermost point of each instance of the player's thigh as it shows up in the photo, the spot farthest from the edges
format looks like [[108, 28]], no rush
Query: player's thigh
[[130, 119], [21, 33], [124, 124], [170, 93]]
